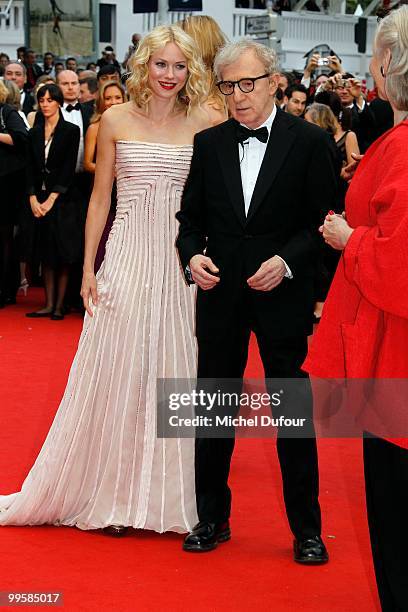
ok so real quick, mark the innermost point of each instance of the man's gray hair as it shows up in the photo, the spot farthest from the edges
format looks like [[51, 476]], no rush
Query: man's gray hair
[[392, 35], [22, 66], [230, 53]]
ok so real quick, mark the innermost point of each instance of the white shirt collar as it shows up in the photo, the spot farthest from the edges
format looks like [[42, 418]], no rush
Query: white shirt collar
[[268, 122]]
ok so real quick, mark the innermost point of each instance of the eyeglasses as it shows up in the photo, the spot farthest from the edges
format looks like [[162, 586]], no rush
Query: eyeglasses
[[246, 85]]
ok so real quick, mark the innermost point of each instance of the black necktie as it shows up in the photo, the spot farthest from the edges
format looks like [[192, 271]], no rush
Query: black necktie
[[71, 107], [244, 133]]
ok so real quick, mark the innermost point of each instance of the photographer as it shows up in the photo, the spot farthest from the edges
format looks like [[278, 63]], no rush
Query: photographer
[[349, 90], [316, 62]]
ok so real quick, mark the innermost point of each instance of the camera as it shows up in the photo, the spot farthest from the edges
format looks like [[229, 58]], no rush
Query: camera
[[323, 61]]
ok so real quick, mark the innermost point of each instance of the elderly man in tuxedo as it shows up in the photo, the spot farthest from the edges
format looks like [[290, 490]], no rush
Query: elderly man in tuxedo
[[258, 188]]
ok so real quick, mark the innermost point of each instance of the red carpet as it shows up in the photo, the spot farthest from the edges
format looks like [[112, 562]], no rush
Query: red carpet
[[146, 571]]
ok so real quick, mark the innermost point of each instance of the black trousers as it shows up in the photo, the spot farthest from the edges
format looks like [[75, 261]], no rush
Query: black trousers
[[386, 479], [225, 357]]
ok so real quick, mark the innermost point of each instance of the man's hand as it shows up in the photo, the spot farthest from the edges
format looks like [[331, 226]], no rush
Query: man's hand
[[336, 231], [348, 171], [354, 86], [201, 268], [269, 275], [335, 64], [312, 65]]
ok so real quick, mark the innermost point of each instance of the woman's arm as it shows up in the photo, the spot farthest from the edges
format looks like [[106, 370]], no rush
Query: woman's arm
[[98, 206], [90, 147], [351, 147]]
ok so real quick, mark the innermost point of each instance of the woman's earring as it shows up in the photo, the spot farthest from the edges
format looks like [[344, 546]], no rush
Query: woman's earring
[[382, 72]]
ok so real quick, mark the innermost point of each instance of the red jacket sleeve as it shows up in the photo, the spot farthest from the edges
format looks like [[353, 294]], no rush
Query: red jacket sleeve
[[376, 257]]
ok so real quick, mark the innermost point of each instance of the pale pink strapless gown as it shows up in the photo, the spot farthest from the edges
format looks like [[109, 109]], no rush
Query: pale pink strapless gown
[[101, 463]]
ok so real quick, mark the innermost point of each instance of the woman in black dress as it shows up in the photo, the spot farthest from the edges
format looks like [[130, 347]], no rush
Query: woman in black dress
[[53, 151]]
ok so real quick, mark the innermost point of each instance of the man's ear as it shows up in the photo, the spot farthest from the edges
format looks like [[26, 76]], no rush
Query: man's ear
[[285, 100], [273, 82]]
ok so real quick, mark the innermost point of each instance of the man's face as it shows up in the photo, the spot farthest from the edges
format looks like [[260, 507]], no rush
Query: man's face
[[15, 72], [48, 60], [344, 95], [253, 108], [72, 65], [84, 94], [30, 59], [69, 84], [296, 104]]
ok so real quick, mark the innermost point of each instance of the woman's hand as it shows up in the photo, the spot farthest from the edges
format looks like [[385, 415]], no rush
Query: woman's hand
[[47, 205], [36, 207], [89, 290], [336, 231]]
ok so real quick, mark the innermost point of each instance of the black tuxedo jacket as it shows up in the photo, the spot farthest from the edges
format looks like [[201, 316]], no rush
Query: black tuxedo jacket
[[28, 104], [59, 170], [87, 111], [296, 186]]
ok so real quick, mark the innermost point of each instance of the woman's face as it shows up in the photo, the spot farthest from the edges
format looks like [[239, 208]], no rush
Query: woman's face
[[168, 72], [48, 106], [112, 96]]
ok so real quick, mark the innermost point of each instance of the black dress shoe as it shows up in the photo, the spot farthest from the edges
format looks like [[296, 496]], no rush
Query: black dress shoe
[[38, 315], [206, 536], [311, 551], [116, 531]]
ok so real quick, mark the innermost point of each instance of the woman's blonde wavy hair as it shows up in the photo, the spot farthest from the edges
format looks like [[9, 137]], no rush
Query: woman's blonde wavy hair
[[137, 84], [392, 35], [209, 37]]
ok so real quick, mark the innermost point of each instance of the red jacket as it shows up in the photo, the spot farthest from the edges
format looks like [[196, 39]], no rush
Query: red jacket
[[364, 329]]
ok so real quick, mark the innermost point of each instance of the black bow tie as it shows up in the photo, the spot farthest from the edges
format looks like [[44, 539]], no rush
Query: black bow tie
[[71, 107], [245, 133]]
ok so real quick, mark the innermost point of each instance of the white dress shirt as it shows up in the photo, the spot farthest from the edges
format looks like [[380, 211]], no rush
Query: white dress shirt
[[251, 154], [75, 117]]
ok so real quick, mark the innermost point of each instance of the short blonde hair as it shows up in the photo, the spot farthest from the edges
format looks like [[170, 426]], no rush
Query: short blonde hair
[[323, 116], [392, 35], [137, 84], [4, 92], [231, 52]]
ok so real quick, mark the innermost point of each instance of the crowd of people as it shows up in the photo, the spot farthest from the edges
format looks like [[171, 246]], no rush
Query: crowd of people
[[204, 165]]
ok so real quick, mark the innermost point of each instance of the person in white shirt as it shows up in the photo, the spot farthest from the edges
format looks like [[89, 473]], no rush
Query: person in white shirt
[[258, 185]]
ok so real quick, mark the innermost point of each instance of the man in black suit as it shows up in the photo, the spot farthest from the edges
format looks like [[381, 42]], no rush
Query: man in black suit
[[256, 194], [78, 114]]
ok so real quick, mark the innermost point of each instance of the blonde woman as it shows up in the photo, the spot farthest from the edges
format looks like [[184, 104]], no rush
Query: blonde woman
[[209, 38], [346, 140], [102, 465], [110, 93]]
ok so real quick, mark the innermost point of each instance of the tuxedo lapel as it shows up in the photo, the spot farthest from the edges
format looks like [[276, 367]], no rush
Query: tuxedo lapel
[[228, 153], [280, 142]]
